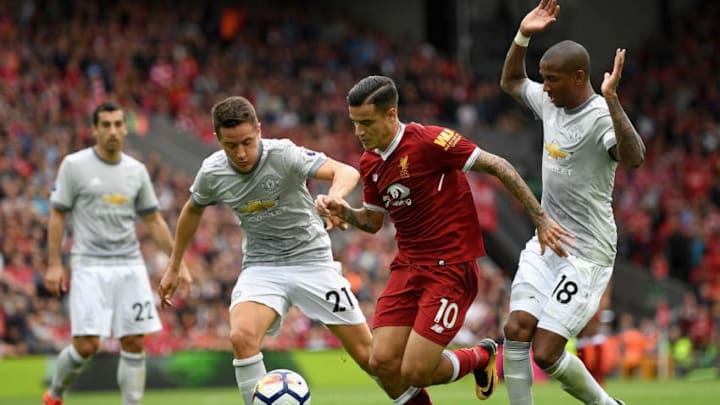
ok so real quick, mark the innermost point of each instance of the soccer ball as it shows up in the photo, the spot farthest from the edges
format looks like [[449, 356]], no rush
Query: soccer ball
[[281, 387]]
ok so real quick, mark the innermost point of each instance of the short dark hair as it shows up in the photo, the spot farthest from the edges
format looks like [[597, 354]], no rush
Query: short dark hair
[[232, 112], [107, 106], [377, 90], [570, 55]]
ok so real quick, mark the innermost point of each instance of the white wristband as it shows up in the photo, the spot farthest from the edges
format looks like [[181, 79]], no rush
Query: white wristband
[[521, 40]]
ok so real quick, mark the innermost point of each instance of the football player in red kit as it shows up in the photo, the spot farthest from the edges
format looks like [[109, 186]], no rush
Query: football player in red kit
[[416, 174]]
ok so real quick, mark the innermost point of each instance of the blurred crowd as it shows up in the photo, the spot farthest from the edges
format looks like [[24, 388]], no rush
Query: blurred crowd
[[60, 59]]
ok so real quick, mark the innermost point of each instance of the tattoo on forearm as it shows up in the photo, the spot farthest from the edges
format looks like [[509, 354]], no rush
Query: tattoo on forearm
[[350, 216], [630, 147], [517, 186]]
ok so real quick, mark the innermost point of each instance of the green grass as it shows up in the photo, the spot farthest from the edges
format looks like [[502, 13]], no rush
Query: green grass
[[683, 392]]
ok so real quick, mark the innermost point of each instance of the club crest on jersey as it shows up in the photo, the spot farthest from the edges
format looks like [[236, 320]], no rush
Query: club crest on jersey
[[270, 183], [447, 139], [404, 173], [397, 195]]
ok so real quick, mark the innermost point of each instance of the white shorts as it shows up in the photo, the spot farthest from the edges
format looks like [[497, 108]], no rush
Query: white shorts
[[563, 293], [318, 290], [111, 298]]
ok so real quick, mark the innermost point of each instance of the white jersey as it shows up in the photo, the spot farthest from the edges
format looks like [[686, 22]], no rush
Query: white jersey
[[578, 173], [105, 199], [272, 202]]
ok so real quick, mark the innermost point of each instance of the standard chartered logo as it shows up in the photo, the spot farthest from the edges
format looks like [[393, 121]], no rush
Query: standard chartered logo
[[397, 195]]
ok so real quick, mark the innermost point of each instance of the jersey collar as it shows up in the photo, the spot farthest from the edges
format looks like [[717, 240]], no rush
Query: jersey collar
[[582, 106], [393, 145]]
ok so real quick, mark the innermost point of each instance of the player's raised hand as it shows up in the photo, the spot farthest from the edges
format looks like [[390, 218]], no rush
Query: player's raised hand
[[611, 80], [539, 18], [55, 279], [552, 235]]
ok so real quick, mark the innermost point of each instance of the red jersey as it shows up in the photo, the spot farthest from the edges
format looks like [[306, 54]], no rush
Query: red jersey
[[420, 181]]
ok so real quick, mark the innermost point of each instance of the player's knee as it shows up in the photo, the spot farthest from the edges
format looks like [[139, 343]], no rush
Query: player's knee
[[86, 347], [519, 329], [513, 331], [245, 343], [133, 344], [381, 365]]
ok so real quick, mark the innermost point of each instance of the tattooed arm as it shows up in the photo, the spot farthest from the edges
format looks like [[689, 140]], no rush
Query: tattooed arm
[[630, 149], [361, 218], [549, 232]]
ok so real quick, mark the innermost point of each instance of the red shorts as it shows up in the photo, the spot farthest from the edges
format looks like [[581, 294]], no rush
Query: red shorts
[[433, 299]]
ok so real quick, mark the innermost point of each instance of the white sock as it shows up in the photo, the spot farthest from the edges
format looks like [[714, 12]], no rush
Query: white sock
[[578, 381], [69, 365], [406, 396], [455, 363], [131, 377], [518, 372], [247, 373]]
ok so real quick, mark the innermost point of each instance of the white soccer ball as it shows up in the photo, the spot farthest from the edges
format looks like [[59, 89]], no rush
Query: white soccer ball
[[281, 387]]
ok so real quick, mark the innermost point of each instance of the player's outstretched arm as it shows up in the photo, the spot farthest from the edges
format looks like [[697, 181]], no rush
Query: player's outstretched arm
[[550, 234], [537, 20], [361, 218], [344, 177], [630, 149], [188, 222], [55, 278]]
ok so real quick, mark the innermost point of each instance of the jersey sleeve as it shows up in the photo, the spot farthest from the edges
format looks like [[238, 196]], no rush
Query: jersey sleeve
[[201, 191], [605, 128], [452, 150], [533, 95], [146, 200], [63, 193], [302, 160]]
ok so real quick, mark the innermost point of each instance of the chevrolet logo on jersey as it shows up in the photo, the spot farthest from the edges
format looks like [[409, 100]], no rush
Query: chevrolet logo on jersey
[[554, 151], [115, 199], [256, 206], [447, 139], [404, 173]]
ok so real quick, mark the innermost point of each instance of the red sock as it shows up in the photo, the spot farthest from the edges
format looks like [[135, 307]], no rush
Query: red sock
[[471, 358], [421, 398]]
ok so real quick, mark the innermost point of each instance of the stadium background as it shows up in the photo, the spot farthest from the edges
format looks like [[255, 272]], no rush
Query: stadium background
[[168, 62]]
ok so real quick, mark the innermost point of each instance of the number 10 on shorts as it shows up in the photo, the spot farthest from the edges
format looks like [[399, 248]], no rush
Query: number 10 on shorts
[[447, 314]]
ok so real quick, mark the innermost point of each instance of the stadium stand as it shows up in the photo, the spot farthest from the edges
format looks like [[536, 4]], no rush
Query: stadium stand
[[175, 59]]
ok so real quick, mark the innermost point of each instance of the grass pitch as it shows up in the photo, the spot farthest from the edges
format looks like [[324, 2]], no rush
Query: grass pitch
[[681, 392]]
